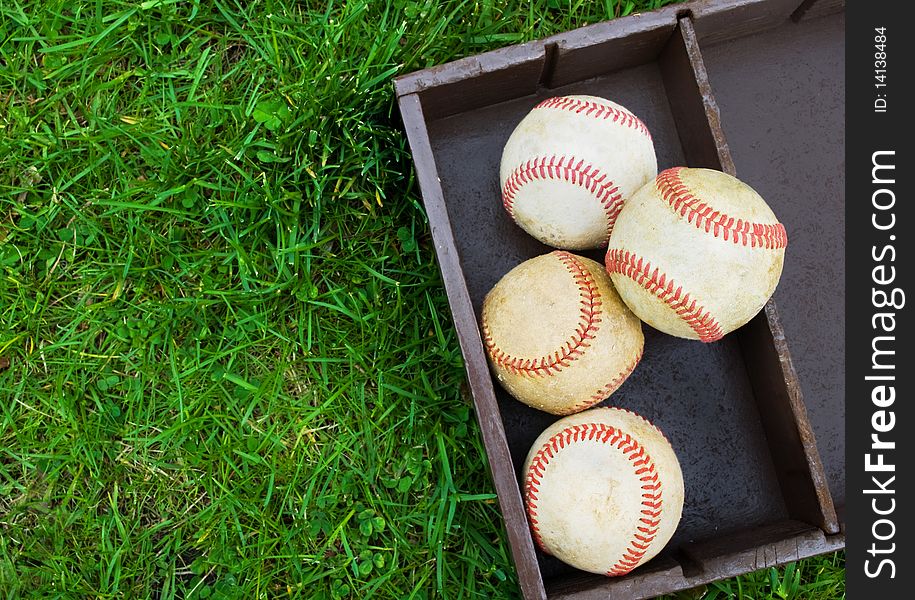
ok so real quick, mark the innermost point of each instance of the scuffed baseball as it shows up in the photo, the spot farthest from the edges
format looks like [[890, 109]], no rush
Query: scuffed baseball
[[696, 253], [558, 336], [603, 490], [569, 166]]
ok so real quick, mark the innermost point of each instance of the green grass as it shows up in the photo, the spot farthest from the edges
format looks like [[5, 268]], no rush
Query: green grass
[[227, 368]]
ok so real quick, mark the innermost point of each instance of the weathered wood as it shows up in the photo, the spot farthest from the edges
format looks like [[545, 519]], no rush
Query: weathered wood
[[693, 103], [721, 20], [487, 411], [811, 9], [784, 416]]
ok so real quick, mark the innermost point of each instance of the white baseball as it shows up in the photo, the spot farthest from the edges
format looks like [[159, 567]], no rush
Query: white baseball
[[569, 166], [558, 336], [603, 490], [696, 253]]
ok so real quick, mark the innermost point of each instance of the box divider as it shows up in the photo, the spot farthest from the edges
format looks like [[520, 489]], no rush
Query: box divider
[[784, 418], [692, 102]]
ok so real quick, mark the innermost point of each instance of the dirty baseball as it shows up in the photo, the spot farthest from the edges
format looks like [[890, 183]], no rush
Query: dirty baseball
[[603, 490], [696, 253], [570, 165], [558, 336]]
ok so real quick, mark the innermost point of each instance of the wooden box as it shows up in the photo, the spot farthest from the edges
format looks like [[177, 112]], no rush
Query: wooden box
[[750, 87]]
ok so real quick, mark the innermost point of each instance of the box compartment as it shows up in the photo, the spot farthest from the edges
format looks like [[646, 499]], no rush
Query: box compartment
[[786, 132]]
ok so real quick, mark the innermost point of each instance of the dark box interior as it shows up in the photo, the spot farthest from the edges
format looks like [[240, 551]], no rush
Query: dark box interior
[[698, 394]]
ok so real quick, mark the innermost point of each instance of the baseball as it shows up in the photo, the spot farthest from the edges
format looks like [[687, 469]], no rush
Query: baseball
[[558, 336], [569, 166], [603, 490], [696, 253]]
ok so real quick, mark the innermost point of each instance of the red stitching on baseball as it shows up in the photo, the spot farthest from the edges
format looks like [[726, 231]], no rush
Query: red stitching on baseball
[[756, 235], [602, 394], [642, 419], [639, 270], [594, 109], [589, 318], [644, 468], [572, 170]]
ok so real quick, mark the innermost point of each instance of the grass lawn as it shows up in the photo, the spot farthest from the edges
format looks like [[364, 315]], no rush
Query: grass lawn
[[227, 367]]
